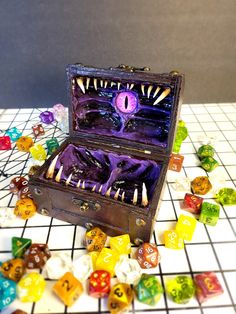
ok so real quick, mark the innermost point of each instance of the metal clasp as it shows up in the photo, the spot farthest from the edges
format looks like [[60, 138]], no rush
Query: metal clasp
[[130, 68], [84, 206]]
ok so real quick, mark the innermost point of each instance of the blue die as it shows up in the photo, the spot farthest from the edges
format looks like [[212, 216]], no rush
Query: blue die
[[14, 134], [7, 292]]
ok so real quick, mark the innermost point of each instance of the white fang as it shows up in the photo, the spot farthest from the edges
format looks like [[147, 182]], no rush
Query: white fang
[[135, 197], [83, 185], [95, 83], [117, 194], [78, 184], [51, 168], [156, 91], [162, 96], [123, 196], [94, 188], [100, 189], [105, 84], [81, 84], [87, 82], [108, 192], [118, 85], [58, 176], [149, 91], [68, 180], [101, 83], [131, 86], [144, 196], [142, 89]]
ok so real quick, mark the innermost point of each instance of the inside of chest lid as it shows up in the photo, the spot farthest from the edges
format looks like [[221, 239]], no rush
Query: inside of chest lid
[[133, 107]]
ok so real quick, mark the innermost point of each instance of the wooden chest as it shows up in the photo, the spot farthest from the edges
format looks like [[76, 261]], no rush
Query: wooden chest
[[111, 170]]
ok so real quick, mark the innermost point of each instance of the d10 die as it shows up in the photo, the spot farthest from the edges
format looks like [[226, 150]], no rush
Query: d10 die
[[68, 289], [99, 284], [120, 298], [121, 244], [209, 163], [19, 246], [36, 256], [207, 286], [38, 152], [24, 143], [52, 145], [201, 185], [7, 292], [173, 240], [185, 227], [209, 214], [192, 203], [31, 287], [95, 239], [13, 269], [5, 143], [107, 260], [205, 151], [14, 134], [25, 208], [38, 130], [148, 255], [24, 193], [128, 270], [149, 289], [17, 184], [176, 162], [180, 289]]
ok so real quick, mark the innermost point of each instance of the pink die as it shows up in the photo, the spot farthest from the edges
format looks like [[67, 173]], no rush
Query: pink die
[[208, 286]]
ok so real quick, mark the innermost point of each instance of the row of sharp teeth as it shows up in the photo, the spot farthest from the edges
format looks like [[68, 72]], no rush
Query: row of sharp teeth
[[81, 184], [83, 83]]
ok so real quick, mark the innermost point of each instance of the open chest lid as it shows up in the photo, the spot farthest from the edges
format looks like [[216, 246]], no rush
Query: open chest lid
[[124, 107]]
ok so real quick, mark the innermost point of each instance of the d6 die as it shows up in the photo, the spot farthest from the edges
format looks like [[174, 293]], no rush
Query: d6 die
[[120, 298], [176, 162], [149, 289], [209, 213], [52, 145], [25, 208], [208, 286], [38, 130], [99, 284], [192, 203], [36, 256], [31, 287], [95, 239], [186, 226], [17, 184], [148, 255], [14, 134], [180, 289], [38, 152], [121, 244], [7, 292], [68, 289], [13, 269], [173, 240], [24, 143], [5, 143]]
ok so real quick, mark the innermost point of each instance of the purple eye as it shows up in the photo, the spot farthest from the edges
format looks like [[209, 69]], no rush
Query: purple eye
[[126, 102]]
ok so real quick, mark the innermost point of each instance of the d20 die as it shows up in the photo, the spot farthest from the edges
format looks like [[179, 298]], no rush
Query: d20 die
[[173, 240], [52, 145], [14, 134], [38, 130], [24, 143], [128, 270], [207, 286], [209, 163], [192, 203], [7, 292], [180, 289], [176, 162], [186, 226], [209, 214], [121, 244], [95, 239], [120, 298], [148, 255], [99, 284], [19, 246], [149, 289], [36, 255], [25, 208], [5, 143], [31, 287]]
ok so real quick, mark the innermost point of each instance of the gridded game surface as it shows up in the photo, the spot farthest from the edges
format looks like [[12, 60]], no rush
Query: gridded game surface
[[212, 248]]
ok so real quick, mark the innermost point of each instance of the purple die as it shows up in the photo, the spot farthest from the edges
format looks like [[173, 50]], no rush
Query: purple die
[[14, 134], [46, 117], [208, 286]]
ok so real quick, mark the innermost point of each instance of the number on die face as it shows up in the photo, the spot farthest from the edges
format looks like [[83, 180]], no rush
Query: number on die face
[[17, 184], [147, 255], [36, 256], [120, 298], [38, 130], [192, 203], [24, 143], [173, 240], [13, 269], [99, 284], [107, 260], [68, 289], [25, 208], [121, 244], [208, 286], [186, 226], [176, 162], [95, 239]]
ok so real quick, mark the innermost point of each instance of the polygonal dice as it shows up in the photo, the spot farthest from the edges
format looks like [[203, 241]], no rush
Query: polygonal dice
[[121, 244], [149, 289], [52, 145], [201, 185], [24, 143], [83, 267], [25, 208], [209, 214], [95, 239], [17, 183], [14, 134], [36, 255], [19, 246], [13, 269], [207, 286], [176, 162], [128, 270], [7, 292], [57, 265], [31, 287], [209, 163], [46, 117], [99, 284], [192, 203], [5, 143], [185, 227], [38, 130], [38, 152], [148, 255], [107, 260], [180, 289], [120, 298], [205, 151], [24, 193], [173, 240]]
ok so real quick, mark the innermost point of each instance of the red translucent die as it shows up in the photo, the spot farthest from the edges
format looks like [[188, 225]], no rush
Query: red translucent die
[[192, 203], [99, 284], [5, 143], [207, 286], [148, 255], [36, 255], [17, 184], [176, 162], [24, 193], [38, 130]]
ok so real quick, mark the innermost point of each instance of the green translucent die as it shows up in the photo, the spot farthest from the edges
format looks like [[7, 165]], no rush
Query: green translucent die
[[180, 289], [149, 289], [209, 163], [19, 246], [52, 145], [181, 135], [226, 196], [205, 151], [209, 213]]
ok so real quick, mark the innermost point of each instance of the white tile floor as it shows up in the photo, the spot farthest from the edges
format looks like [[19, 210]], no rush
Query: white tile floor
[[212, 248]]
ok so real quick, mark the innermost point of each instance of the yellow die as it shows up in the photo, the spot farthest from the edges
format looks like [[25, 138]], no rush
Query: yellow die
[[172, 240], [94, 256], [68, 288], [120, 298], [186, 226], [107, 260], [38, 152], [121, 244]]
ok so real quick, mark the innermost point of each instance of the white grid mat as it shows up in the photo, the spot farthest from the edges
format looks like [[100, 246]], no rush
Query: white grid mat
[[212, 248]]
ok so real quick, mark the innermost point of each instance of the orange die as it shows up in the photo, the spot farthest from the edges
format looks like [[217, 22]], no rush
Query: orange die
[[24, 143], [176, 162], [25, 208], [68, 288], [13, 269]]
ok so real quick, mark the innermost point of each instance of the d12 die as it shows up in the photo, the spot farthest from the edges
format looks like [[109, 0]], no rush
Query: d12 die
[[46, 117], [99, 284], [148, 255], [52, 145], [68, 289], [149, 289], [14, 134], [25, 208], [31, 287], [5, 143], [121, 244], [24, 143], [95, 239], [7, 292], [17, 184], [176, 162], [208, 286], [36, 255], [38, 130], [209, 213], [107, 260], [186, 226], [13, 269], [180, 289], [120, 298], [38, 152], [201, 185], [173, 240], [19, 246], [192, 203]]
